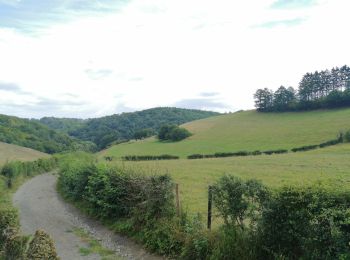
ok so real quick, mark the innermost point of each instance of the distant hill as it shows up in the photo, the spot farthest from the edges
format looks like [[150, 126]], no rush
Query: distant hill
[[10, 152], [105, 130], [247, 131], [65, 125], [31, 134]]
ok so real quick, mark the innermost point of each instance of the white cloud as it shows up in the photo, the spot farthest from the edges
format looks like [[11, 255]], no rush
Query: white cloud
[[158, 52]]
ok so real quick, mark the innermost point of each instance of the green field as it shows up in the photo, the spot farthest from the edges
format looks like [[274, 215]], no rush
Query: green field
[[10, 152], [328, 166], [248, 130]]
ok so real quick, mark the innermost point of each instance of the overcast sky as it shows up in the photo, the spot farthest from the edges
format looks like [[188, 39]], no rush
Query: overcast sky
[[77, 58]]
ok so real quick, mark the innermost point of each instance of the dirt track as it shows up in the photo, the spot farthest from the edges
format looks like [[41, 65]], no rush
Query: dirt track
[[42, 208]]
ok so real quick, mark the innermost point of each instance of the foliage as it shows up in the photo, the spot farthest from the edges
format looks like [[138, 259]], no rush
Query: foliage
[[11, 170], [324, 89], [304, 148], [64, 125], [109, 129], [238, 200], [149, 157], [112, 192], [306, 222], [29, 133], [143, 133], [278, 151], [173, 133], [15, 244], [8, 218], [245, 131], [42, 247]]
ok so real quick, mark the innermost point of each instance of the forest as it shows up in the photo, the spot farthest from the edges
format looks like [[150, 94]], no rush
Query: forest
[[31, 134], [321, 89], [106, 130]]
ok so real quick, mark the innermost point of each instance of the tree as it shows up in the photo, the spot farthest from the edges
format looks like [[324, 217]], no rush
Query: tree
[[143, 133], [173, 133], [283, 98], [263, 99]]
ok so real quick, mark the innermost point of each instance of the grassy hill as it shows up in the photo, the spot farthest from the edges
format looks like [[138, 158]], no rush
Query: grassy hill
[[105, 130], [248, 130], [31, 134], [10, 152]]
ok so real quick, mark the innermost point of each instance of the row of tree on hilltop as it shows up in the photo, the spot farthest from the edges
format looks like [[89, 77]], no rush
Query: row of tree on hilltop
[[324, 89]]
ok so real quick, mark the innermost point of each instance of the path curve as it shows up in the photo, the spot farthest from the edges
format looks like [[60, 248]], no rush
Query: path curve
[[41, 207]]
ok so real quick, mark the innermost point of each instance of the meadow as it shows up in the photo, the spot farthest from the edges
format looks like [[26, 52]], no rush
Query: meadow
[[327, 167], [10, 152], [247, 131]]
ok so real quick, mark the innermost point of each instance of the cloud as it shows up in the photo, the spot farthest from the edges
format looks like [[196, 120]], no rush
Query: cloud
[[99, 73], [31, 15], [209, 94], [292, 4], [200, 103], [286, 23], [11, 87]]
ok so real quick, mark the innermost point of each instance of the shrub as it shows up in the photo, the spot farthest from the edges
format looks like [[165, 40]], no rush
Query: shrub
[[234, 243], [279, 151], [173, 133], [8, 218], [308, 223], [347, 136], [257, 152], [15, 245], [149, 157], [195, 156], [329, 143], [237, 200], [304, 148], [42, 247]]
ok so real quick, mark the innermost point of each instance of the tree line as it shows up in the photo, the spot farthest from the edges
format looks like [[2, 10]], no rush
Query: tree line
[[321, 89]]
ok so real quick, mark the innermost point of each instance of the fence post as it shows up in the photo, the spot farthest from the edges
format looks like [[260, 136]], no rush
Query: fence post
[[210, 198], [177, 199]]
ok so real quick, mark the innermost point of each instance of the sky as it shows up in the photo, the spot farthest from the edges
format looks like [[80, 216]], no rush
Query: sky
[[79, 58]]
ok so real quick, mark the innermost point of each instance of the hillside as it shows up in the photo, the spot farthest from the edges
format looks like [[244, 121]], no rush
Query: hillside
[[328, 166], [248, 130], [10, 152], [105, 130], [31, 134], [65, 125]]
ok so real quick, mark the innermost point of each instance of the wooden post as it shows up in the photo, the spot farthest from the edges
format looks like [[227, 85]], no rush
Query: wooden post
[[177, 199], [9, 183], [210, 198]]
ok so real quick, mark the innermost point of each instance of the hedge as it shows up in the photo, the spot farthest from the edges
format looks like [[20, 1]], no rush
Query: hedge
[[149, 157]]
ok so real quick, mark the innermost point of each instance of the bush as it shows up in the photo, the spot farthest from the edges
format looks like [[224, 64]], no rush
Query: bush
[[308, 223], [329, 143], [279, 151], [15, 245], [173, 133], [12, 170], [149, 157], [304, 148], [42, 247], [234, 243], [347, 136], [237, 200], [8, 218], [195, 156]]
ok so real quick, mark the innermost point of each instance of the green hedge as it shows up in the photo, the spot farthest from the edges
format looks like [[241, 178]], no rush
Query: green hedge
[[258, 223], [149, 157], [12, 244]]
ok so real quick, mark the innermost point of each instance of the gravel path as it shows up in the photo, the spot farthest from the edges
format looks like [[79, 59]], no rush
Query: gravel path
[[42, 208]]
